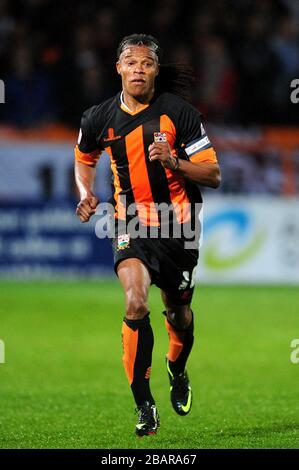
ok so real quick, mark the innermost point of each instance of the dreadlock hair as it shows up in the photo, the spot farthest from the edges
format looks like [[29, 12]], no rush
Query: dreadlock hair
[[177, 79], [172, 78]]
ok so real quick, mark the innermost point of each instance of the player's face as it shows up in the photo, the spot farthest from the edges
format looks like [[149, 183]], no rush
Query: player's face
[[138, 67]]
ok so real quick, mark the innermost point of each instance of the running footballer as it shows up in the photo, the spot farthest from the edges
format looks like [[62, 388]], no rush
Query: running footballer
[[159, 154]]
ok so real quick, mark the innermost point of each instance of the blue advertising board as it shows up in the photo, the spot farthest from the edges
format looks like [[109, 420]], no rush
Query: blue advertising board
[[44, 240]]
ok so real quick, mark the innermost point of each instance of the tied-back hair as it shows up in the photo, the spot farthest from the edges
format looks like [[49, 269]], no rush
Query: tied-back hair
[[173, 78], [176, 78]]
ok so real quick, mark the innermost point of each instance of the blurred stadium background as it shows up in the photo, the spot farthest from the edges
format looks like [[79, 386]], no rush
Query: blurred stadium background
[[56, 60]]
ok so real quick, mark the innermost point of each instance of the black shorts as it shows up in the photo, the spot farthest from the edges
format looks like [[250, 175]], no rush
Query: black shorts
[[170, 263]]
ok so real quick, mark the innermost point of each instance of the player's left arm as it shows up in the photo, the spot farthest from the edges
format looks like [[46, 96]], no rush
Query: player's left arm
[[203, 169], [200, 161], [205, 173]]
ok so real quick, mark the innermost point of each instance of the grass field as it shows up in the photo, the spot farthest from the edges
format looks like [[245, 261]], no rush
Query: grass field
[[63, 385]]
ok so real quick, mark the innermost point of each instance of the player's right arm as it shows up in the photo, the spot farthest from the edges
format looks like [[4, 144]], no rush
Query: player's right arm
[[86, 156], [84, 176]]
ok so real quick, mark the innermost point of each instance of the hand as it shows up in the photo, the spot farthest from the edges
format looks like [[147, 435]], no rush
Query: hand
[[161, 151], [86, 208]]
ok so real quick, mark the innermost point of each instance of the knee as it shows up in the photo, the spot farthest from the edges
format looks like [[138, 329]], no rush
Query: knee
[[136, 305], [179, 317]]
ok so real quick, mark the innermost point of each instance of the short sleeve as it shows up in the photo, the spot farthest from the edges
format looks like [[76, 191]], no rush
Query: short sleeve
[[193, 137], [87, 150]]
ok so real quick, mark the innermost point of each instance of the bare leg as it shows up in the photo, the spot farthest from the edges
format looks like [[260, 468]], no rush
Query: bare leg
[[137, 334], [179, 324]]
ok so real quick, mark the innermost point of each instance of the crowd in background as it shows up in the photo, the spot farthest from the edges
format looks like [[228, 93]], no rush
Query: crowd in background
[[57, 58]]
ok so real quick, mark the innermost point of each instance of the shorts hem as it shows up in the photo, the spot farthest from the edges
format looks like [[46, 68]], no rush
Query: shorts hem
[[150, 270]]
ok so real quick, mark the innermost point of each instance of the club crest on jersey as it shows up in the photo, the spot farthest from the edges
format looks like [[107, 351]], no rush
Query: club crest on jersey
[[160, 137], [123, 241]]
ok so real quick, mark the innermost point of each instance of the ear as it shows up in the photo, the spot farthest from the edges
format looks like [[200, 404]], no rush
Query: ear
[[158, 69], [118, 68]]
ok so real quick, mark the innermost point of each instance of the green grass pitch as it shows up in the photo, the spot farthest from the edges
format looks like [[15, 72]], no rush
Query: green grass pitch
[[63, 384]]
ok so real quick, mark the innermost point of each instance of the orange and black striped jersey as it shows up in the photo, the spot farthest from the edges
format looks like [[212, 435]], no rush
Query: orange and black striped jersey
[[126, 136]]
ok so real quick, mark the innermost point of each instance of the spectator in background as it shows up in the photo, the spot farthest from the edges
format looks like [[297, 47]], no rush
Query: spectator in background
[[215, 92], [241, 174], [182, 54], [285, 46], [86, 80], [292, 7], [29, 96], [257, 67], [106, 31], [165, 20], [272, 177], [7, 25], [93, 85], [106, 35], [244, 51]]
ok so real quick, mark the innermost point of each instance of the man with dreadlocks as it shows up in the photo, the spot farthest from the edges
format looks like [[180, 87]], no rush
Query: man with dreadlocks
[[159, 155]]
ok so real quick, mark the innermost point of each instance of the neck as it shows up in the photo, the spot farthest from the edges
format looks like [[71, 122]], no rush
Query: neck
[[135, 104]]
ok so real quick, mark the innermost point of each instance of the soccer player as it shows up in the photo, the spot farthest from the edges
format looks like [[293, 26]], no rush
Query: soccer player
[[159, 153]]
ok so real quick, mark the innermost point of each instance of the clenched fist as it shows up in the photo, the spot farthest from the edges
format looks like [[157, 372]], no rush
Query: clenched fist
[[161, 151], [86, 208]]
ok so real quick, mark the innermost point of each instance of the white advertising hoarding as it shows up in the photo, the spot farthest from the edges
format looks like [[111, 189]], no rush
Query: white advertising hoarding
[[250, 240]]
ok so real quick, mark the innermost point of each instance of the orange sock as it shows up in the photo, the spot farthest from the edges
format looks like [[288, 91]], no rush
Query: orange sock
[[180, 345], [138, 342], [176, 342], [130, 342]]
